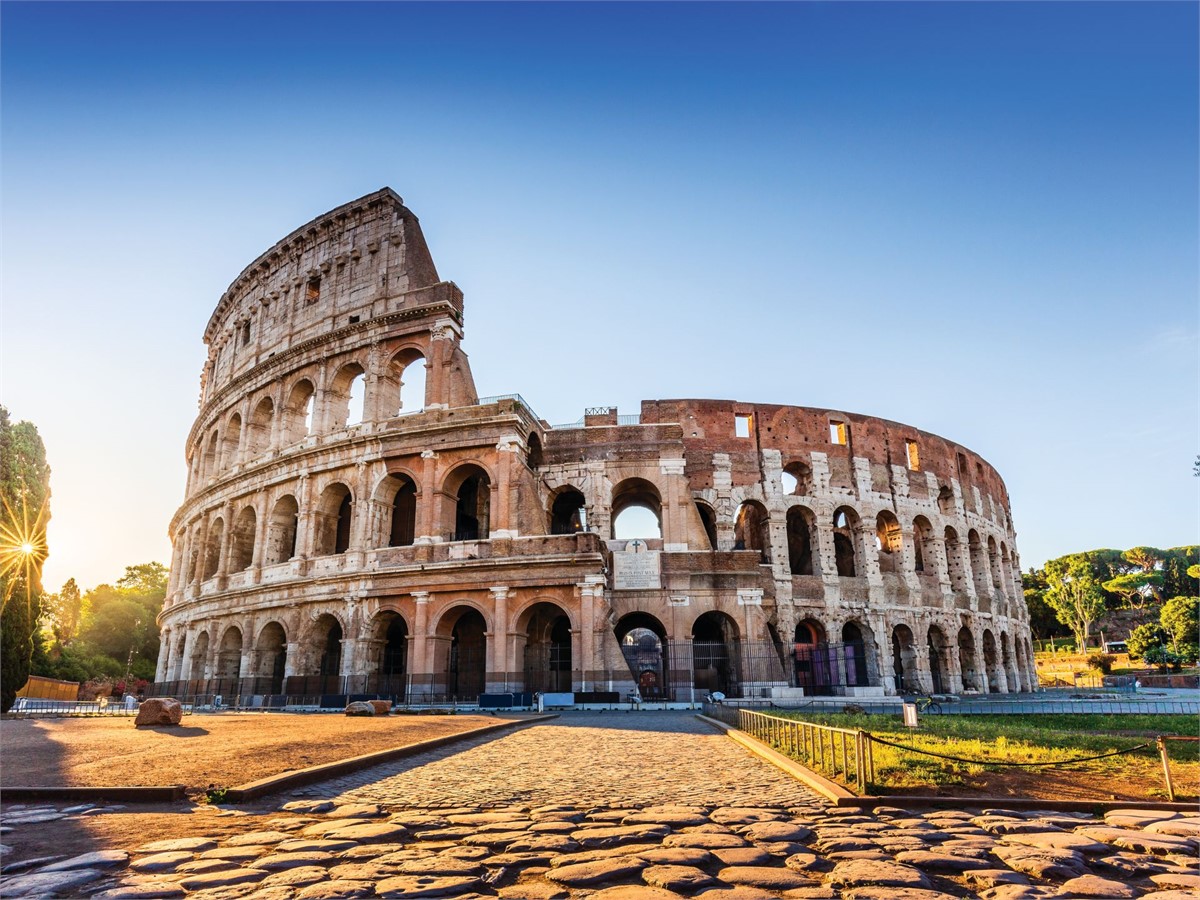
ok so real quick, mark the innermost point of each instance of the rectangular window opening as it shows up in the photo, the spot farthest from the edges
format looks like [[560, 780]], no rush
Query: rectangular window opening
[[741, 426], [914, 455], [245, 333], [354, 320], [837, 433], [313, 291]]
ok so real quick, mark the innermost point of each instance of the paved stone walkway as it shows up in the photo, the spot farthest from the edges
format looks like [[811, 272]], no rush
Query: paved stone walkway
[[620, 807]]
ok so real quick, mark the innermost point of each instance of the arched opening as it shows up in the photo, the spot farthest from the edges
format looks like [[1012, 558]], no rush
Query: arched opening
[[334, 513], [466, 664], [708, 519], [1022, 670], [811, 662], [854, 654], [993, 553], [229, 657], [392, 631], [472, 511], [888, 542], [212, 552], [345, 396], [979, 565], [272, 657], [636, 510], [991, 662], [925, 559], [406, 372], [258, 429], [399, 492], [533, 454], [945, 501], [199, 658], [643, 642], [230, 441], [209, 461], [547, 648], [1006, 660], [281, 530], [797, 479], [567, 512], [716, 656], [241, 548], [298, 412], [904, 660], [752, 530], [967, 662], [954, 561], [801, 534], [939, 660], [844, 522], [1006, 569]]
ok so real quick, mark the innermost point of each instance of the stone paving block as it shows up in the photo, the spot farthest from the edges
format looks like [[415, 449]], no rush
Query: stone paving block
[[413, 886], [48, 883], [97, 859], [1057, 840], [764, 877], [598, 871], [234, 854], [533, 890], [704, 840], [895, 893], [153, 890], [337, 890], [372, 833], [277, 861], [300, 876], [861, 872], [222, 879], [742, 856], [192, 844], [161, 862], [941, 862], [258, 837], [1094, 886], [1180, 880], [686, 879]]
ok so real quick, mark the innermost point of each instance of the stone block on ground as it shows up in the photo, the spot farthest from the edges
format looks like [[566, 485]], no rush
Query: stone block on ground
[[159, 711], [359, 708], [382, 707]]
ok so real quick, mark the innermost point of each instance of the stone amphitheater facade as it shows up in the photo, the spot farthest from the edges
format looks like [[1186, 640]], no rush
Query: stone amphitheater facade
[[358, 521]]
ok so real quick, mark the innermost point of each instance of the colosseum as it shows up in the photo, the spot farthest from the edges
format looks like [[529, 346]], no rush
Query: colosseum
[[358, 521]]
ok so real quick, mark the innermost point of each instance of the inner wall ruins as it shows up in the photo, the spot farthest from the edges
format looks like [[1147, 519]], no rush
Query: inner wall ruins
[[358, 520]]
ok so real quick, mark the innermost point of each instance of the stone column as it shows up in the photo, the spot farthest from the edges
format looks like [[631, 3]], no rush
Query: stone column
[[428, 529], [419, 664], [498, 667], [164, 653], [501, 524], [674, 518]]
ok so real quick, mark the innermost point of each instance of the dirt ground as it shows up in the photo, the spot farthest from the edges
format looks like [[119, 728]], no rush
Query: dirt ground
[[221, 750]]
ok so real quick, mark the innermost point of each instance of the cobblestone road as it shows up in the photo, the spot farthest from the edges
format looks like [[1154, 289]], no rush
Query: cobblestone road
[[645, 806], [583, 759]]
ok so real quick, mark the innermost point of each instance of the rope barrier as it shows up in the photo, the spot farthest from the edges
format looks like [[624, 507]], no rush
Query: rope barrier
[[997, 762]]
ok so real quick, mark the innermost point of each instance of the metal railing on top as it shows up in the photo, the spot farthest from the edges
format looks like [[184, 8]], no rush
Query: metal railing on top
[[484, 401]]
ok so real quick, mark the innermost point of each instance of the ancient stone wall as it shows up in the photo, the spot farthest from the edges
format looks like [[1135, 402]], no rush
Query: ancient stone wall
[[357, 519]]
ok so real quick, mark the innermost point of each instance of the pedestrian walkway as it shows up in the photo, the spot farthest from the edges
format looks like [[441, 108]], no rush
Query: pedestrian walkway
[[618, 759]]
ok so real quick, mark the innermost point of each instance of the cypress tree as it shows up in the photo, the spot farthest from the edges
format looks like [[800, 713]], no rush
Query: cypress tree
[[24, 511]]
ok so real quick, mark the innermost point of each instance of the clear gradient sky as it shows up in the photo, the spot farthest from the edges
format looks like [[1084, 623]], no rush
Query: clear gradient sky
[[978, 219]]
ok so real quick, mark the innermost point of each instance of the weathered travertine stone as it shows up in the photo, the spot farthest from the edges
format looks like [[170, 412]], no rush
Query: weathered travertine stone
[[159, 711], [598, 871]]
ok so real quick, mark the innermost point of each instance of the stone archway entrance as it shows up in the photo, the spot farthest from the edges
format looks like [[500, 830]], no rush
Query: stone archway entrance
[[716, 656], [547, 649], [466, 664], [643, 642]]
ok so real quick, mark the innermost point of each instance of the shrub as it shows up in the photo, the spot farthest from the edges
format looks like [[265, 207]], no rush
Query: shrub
[[1143, 638], [1163, 657], [1101, 661]]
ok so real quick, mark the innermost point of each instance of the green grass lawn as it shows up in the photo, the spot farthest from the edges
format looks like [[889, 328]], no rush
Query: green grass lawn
[[1052, 739]]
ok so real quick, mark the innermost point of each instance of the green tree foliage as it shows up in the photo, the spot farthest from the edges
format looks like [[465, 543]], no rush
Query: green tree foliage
[[1180, 618], [1074, 595], [1181, 572], [1043, 622], [1136, 588], [1145, 637], [25, 510], [113, 621], [61, 613]]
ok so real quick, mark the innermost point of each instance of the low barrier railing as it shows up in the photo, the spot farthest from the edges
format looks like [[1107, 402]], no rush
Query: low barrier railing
[[848, 756]]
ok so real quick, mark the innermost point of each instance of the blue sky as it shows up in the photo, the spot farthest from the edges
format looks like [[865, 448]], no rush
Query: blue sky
[[979, 219]]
